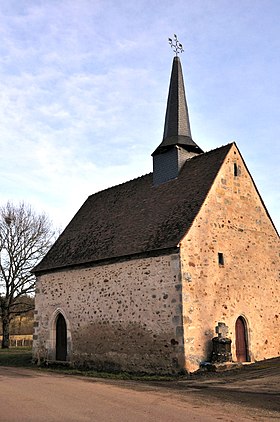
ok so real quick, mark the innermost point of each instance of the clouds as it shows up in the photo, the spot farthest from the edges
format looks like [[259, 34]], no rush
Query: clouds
[[83, 89]]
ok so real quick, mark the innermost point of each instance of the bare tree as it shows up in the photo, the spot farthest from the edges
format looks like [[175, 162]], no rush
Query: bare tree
[[25, 238]]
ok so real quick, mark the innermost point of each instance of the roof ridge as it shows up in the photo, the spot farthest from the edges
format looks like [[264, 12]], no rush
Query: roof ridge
[[210, 151], [121, 184], [150, 174]]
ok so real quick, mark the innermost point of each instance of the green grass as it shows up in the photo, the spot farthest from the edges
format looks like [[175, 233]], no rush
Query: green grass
[[20, 356]]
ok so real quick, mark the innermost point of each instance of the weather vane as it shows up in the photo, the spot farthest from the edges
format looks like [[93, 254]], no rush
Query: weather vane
[[176, 45]]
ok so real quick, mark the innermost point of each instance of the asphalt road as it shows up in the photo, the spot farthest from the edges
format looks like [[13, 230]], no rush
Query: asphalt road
[[28, 395]]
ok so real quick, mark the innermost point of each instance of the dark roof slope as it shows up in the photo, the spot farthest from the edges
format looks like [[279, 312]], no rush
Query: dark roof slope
[[136, 217]]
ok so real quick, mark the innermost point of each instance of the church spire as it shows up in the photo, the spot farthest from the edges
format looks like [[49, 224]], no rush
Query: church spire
[[177, 121], [177, 145]]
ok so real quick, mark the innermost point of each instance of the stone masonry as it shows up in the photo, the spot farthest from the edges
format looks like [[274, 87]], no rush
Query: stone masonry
[[232, 221], [124, 316]]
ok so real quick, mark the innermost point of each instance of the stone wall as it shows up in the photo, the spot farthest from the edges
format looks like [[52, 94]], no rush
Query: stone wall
[[232, 222], [158, 314], [124, 316]]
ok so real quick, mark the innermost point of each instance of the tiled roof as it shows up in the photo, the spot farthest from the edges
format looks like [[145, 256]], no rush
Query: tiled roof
[[136, 217]]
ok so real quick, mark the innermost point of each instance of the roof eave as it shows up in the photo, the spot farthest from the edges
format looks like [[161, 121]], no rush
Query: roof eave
[[108, 261]]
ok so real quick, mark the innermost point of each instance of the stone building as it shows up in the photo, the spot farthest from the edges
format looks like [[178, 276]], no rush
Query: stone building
[[145, 270]]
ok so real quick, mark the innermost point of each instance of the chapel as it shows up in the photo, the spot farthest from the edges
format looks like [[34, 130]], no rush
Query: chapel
[[145, 270]]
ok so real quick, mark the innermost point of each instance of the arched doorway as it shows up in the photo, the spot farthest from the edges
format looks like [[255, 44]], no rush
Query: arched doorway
[[241, 343], [61, 338]]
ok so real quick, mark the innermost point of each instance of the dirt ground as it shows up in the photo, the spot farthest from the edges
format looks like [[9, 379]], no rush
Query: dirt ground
[[251, 393], [252, 390]]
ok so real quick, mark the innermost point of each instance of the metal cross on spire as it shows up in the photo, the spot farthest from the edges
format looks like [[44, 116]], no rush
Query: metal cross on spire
[[176, 45]]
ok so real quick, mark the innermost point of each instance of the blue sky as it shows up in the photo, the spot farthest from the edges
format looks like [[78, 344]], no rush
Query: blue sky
[[83, 88]]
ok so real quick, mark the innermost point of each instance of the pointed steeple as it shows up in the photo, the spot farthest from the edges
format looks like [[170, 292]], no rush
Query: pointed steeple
[[177, 121], [177, 145]]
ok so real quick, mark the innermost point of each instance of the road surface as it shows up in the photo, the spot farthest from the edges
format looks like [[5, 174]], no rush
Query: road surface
[[28, 395]]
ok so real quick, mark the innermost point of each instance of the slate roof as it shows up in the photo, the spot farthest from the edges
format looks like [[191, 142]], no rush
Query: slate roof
[[177, 130], [177, 117], [136, 217]]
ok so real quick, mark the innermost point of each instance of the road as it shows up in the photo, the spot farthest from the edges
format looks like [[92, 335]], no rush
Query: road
[[28, 395]]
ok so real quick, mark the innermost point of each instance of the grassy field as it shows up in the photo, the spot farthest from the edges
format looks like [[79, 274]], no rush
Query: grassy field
[[20, 356]]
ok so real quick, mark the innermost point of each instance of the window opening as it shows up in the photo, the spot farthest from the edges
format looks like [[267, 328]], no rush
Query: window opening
[[236, 170], [221, 259]]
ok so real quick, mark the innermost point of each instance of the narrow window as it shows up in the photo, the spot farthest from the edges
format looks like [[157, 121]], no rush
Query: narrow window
[[221, 259], [236, 170]]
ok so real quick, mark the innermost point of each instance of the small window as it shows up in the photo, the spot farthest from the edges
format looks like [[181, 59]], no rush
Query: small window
[[236, 170], [221, 259]]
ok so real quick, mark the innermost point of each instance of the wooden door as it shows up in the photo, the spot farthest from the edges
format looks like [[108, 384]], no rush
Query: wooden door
[[240, 340], [61, 338]]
